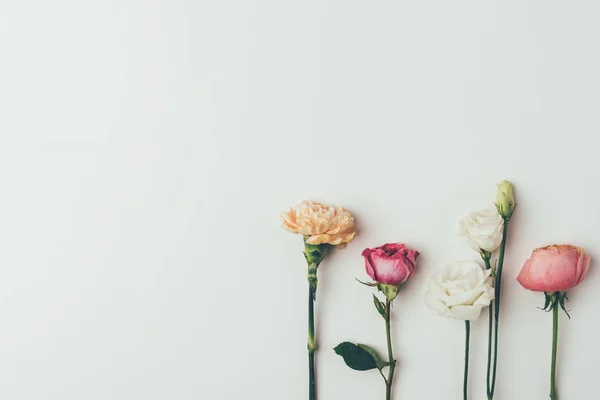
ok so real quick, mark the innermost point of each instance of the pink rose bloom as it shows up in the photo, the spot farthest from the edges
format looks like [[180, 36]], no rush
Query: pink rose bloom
[[392, 263], [555, 268]]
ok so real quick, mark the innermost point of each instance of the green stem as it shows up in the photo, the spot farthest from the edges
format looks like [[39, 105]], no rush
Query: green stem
[[554, 349], [497, 303], [489, 364], [467, 340], [312, 392], [486, 260], [388, 383]]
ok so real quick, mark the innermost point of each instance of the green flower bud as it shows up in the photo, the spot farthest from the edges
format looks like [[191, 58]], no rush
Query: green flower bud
[[505, 201]]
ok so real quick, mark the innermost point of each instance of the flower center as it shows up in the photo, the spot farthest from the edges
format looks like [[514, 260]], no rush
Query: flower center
[[390, 252]]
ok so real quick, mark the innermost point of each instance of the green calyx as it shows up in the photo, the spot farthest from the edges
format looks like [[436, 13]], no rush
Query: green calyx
[[389, 291], [486, 255], [555, 299], [314, 254]]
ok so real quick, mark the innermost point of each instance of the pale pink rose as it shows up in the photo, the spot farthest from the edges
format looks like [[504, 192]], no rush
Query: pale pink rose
[[555, 268], [392, 263]]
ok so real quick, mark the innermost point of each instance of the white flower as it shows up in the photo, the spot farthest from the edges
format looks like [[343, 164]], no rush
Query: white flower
[[460, 290], [483, 229]]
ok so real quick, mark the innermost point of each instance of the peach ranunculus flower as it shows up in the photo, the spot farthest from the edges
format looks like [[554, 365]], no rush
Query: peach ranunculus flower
[[320, 223], [555, 268]]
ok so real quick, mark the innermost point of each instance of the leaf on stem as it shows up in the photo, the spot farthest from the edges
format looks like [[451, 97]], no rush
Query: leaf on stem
[[380, 363], [379, 306], [359, 357]]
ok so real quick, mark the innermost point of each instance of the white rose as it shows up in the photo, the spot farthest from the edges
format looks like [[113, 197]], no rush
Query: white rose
[[460, 290], [483, 229]]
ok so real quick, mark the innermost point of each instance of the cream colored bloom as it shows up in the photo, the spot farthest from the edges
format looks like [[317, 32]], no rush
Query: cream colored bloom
[[483, 229], [460, 290], [320, 222]]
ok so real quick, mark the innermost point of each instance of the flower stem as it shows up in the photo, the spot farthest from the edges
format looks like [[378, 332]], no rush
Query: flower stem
[[467, 340], [486, 260], [554, 349], [497, 304], [489, 363], [312, 392], [388, 383]]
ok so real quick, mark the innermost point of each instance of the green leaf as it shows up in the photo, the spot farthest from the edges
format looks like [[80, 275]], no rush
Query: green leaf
[[380, 363], [379, 306], [356, 357]]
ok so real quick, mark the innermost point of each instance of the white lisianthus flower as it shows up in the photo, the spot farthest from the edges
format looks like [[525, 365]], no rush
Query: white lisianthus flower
[[460, 290], [483, 230]]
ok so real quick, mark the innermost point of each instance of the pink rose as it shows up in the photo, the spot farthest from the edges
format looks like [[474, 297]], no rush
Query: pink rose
[[555, 268], [392, 263]]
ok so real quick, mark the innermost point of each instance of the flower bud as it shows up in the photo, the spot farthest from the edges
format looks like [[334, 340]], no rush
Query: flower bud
[[505, 201]]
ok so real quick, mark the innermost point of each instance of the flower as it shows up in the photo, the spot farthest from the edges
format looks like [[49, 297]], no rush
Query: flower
[[391, 264], [460, 290], [505, 200], [483, 230], [320, 223], [555, 268]]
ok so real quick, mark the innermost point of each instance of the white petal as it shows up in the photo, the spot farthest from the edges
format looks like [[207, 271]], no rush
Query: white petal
[[434, 298]]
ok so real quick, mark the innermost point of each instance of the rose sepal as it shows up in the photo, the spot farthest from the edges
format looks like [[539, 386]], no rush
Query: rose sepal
[[369, 284], [555, 299], [389, 291]]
